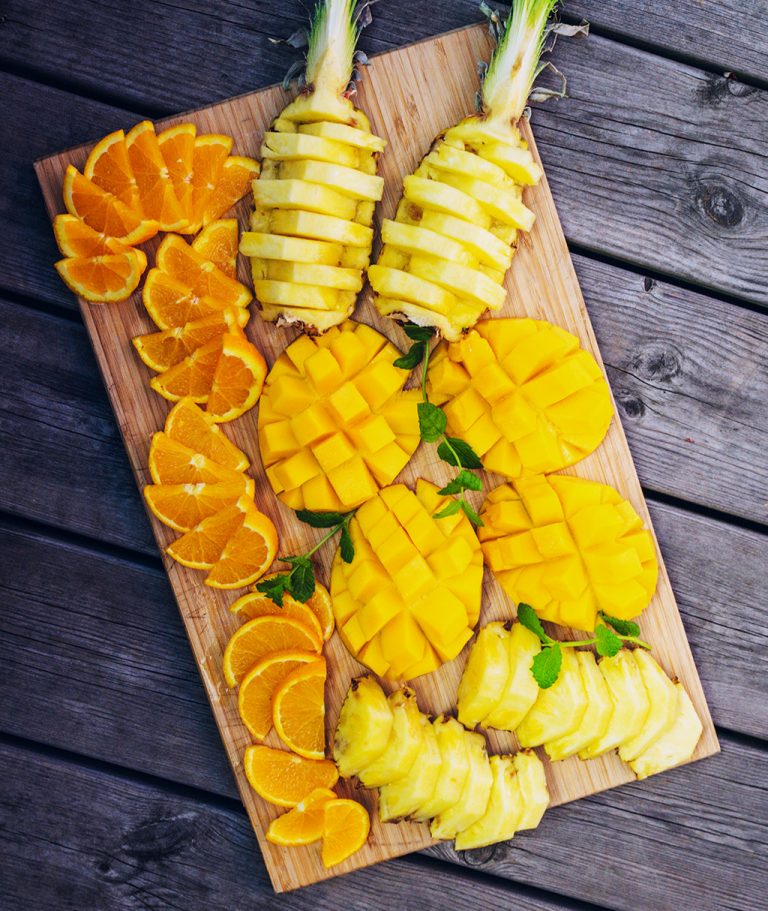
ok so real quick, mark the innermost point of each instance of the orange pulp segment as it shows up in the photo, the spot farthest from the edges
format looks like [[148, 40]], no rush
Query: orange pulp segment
[[253, 641], [298, 710], [218, 242], [104, 212], [158, 200], [102, 279], [177, 145], [254, 698], [170, 303], [237, 175], [211, 151], [285, 779], [247, 555], [303, 824], [162, 350], [238, 379], [346, 825], [256, 604], [179, 260], [173, 463], [192, 377], [190, 425], [75, 238], [184, 506], [108, 167], [202, 547]]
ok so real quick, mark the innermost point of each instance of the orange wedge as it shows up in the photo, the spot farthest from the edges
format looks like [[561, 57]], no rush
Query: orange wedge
[[237, 175], [211, 151], [75, 238], [238, 379], [202, 547], [190, 425], [162, 350], [285, 779], [184, 506], [253, 641], [247, 555], [298, 710], [109, 168], [179, 260], [218, 243], [173, 463], [158, 200], [346, 825], [103, 279], [192, 377], [170, 303], [104, 212], [177, 145], [256, 604], [254, 698], [302, 825]]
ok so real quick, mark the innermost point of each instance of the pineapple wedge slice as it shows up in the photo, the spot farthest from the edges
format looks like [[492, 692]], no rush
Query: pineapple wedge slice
[[521, 690], [485, 675], [533, 786], [453, 771], [364, 726], [404, 743], [559, 710], [472, 801], [663, 697], [504, 811], [595, 722], [674, 746], [401, 798], [631, 704]]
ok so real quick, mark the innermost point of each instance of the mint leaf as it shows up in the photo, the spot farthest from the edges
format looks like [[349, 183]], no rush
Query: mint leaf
[[418, 333], [464, 480], [346, 547], [622, 627], [530, 620], [302, 578], [413, 357], [432, 421], [275, 587], [470, 513], [320, 519], [450, 510], [546, 666], [468, 458], [608, 643]]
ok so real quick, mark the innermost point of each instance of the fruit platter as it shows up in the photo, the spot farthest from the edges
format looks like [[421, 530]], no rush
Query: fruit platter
[[358, 387]]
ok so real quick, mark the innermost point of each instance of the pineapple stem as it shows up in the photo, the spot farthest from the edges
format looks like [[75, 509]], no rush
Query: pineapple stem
[[333, 35], [516, 61]]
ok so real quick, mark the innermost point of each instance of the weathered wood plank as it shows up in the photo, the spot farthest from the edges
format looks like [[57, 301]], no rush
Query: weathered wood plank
[[96, 661], [76, 839]]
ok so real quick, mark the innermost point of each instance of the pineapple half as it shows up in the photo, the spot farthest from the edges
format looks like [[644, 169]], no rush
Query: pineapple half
[[311, 235], [410, 598], [570, 548], [524, 395], [451, 242]]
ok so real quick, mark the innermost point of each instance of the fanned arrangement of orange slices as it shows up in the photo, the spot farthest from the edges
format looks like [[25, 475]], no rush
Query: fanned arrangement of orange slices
[[134, 185], [200, 489], [200, 351]]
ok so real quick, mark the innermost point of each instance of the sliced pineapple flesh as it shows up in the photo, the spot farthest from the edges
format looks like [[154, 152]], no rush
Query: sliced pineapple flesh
[[473, 800], [559, 710], [364, 726], [402, 798], [485, 675], [663, 698], [410, 598], [403, 746], [570, 548], [523, 394], [597, 717], [334, 423], [503, 812], [676, 745], [454, 768], [533, 787]]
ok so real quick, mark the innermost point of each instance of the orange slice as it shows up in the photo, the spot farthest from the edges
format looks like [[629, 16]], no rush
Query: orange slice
[[104, 212], [346, 825], [202, 547], [237, 175], [191, 377], [179, 260], [238, 379], [75, 238], [253, 641], [173, 463], [218, 243], [285, 779], [211, 151], [302, 825], [158, 200], [103, 279], [254, 698], [170, 303], [177, 145], [109, 168], [190, 425], [184, 506], [256, 604], [247, 555], [162, 350], [298, 710]]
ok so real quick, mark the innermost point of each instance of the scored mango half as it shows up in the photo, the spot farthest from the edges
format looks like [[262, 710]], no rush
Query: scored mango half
[[570, 548], [523, 394], [334, 423], [410, 598]]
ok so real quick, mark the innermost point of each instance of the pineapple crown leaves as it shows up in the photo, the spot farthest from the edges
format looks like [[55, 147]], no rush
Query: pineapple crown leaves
[[299, 581], [432, 426]]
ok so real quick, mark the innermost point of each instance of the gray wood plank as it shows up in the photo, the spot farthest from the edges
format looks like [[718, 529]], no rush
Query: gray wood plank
[[78, 839], [96, 661]]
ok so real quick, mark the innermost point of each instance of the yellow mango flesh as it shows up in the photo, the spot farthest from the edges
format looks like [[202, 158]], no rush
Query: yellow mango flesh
[[409, 599], [570, 548], [334, 423]]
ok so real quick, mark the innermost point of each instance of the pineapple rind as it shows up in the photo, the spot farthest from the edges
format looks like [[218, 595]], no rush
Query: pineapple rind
[[676, 745], [403, 745], [363, 729]]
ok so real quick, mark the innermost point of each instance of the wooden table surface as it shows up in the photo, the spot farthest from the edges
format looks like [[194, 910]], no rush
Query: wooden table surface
[[116, 795]]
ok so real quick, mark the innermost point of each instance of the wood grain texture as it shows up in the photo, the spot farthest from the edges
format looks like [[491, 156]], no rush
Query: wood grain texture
[[408, 111]]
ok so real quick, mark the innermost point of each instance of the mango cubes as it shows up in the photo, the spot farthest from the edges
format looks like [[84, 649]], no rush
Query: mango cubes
[[411, 596], [523, 394], [334, 423], [570, 548]]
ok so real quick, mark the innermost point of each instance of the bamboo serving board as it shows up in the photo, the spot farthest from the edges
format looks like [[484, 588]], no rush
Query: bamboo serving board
[[410, 95]]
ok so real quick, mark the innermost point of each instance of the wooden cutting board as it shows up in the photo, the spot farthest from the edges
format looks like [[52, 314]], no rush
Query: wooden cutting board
[[410, 95]]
